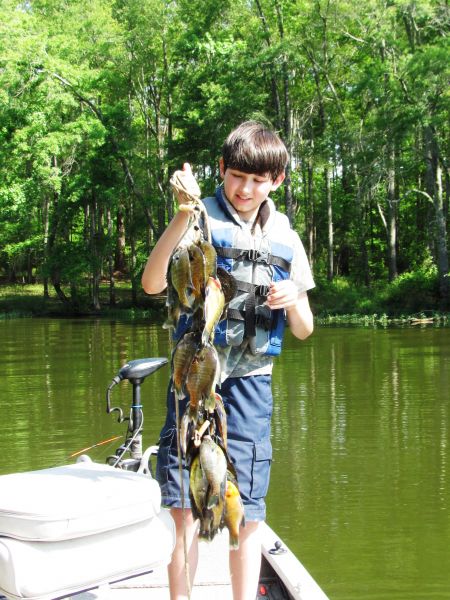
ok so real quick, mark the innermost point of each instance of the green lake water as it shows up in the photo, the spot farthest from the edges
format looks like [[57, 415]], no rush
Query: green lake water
[[360, 479]]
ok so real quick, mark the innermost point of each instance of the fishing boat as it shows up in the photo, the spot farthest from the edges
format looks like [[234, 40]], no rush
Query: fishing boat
[[90, 531]]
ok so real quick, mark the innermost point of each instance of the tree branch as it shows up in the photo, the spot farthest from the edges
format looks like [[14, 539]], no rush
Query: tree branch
[[123, 161]]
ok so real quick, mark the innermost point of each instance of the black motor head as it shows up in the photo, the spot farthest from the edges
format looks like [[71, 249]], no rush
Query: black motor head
[[140, 368]]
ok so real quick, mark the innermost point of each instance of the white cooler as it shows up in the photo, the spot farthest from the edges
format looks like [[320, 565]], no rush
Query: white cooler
[[73, 528]]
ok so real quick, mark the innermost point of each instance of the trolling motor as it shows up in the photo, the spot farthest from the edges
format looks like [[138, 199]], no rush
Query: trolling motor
[[135, 371]]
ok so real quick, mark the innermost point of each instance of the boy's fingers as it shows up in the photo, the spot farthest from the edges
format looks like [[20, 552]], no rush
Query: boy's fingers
[[184, 185], [282, 294]]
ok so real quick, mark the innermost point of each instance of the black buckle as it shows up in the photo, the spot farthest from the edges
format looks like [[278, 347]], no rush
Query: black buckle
[[262, 290], [258, 256], [252, 255]]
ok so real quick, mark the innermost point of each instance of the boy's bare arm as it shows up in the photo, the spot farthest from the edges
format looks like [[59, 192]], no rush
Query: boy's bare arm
[[300, 317], [284, 294], [154, 276]]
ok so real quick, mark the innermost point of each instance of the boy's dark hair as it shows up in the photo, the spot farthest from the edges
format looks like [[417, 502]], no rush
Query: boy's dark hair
[[254, 148]]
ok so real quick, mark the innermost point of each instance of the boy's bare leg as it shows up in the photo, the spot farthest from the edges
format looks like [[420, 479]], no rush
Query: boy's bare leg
[[245, 563], [176, 569]]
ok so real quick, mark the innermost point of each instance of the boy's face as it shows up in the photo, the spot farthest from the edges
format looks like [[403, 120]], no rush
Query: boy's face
[[247, 191]]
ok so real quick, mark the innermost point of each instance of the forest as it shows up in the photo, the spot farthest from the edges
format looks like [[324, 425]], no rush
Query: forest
[[101, 100]]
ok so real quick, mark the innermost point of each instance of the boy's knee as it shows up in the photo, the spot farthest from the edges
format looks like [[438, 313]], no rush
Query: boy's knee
[[181, 521]]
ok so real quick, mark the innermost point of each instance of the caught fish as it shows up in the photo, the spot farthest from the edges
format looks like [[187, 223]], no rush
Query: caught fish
[[180, 274], [185, 431], [182, 358], [234, 512], [193, 425], [202, 378], [210, 258], [198, 488], [213, 308], [220, 418], [211, 519], [174, 309], [228, 283], [198, 278], [199, 292], [214, 466]]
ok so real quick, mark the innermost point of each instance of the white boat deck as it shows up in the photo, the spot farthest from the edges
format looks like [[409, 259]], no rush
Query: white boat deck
[[212, 579], [213, 576]]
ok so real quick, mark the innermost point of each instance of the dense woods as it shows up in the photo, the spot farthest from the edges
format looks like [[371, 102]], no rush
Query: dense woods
[[102, 99]]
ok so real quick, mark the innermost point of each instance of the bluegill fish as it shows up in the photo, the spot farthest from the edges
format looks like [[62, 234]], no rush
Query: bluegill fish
[[211, 518], [213, 308], [228, 283], [210, 258], [234, 512], [220, 419], [198, 488], [202, 377], [180, 274], [197, 268], [214, 466], [182, 358]]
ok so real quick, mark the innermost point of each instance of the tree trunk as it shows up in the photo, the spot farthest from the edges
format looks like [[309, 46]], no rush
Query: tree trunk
[[434, 189], [310, 211], [112, 290], [133, 254], [391, 224], [330, 254], [46, 225], [273, 79], [95, 257], [119, 259]]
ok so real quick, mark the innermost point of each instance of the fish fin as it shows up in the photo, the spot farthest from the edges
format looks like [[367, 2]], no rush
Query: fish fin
[[210, 403], [184, 432], [220, 419], [195, 512], [213, 501], [193, 413], [234, 542], [215, 496]]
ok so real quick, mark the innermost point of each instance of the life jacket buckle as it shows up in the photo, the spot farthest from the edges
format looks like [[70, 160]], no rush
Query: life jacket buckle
[[262, 290], [252, 255], [261, 256]]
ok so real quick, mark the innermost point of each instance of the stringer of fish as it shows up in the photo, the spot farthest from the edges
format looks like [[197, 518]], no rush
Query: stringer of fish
[[198, 294]]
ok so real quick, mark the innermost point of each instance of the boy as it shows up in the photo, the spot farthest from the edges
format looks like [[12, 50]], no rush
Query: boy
[[265, 255]]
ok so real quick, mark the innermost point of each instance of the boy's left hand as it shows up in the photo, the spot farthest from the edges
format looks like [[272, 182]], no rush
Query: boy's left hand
[[282, 294]]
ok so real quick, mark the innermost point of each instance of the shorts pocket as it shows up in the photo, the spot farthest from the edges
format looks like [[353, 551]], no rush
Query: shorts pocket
[[262, 460]]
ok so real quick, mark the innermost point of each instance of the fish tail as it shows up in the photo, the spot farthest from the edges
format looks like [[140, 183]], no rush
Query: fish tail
[[234, 542], [184, 432], [193, 413], [206, 337], [213, 501]]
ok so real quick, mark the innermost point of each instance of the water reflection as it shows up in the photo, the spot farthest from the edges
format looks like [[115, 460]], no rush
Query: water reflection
[[361, 444], [360, 482]]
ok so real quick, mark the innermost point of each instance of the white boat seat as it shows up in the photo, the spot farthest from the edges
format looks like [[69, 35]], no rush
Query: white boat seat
[[75, 527]]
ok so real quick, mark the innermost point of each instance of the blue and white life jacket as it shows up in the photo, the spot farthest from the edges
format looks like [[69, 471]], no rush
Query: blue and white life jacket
[[255, 260]]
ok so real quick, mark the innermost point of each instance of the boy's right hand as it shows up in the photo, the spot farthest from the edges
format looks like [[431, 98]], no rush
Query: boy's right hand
[[185, 186]]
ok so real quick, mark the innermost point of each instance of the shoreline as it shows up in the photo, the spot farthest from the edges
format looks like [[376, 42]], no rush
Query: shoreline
[[28, 301]]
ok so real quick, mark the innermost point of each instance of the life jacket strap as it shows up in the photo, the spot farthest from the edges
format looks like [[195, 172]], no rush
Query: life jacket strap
[[240, 315], [253, 255], [261, 291]]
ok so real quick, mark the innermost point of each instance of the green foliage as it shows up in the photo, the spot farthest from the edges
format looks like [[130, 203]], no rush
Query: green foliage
[[100, 101], [410, 293]]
